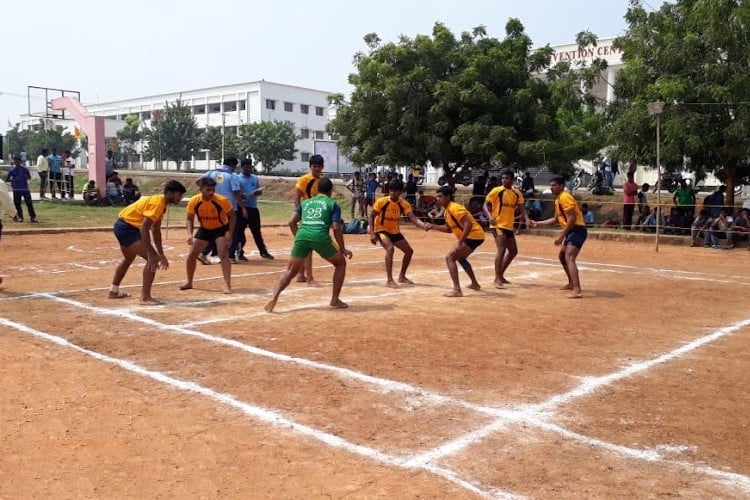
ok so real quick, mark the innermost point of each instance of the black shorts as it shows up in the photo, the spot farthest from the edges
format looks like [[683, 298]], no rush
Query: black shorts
[[395, 238], [473, 244], [499, 231], [211, 234], [576, 237], [126, 234]]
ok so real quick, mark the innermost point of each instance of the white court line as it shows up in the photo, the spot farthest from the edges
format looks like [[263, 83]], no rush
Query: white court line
[[262, 414]]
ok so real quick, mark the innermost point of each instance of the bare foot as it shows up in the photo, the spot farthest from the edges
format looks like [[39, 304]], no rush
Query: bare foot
[[499, 285], [270, 305], [313, 283], [575, 295], [186, 286], [227, 291], [475, 286], [339, 305], [453, 293], [566, 287], [392, 284], [504, 281], [150, 301], [116, 295], [301, 279], [405, 281]]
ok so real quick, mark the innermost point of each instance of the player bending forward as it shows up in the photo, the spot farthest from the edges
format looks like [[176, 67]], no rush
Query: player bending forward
[[470, 235], [310, 224]]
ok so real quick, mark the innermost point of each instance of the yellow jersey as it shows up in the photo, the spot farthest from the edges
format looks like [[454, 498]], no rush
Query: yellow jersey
[[504, 202], [152, 207], [454, 215], [213, 213], [307, 185], [388, 213], [566, 203]]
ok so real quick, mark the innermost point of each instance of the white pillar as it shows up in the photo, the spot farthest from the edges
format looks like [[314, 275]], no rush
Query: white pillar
[[610, 85]]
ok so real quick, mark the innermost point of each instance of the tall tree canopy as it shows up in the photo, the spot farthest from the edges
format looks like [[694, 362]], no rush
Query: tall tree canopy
[[211, 139], [466, 100], [33, 141], [268, 142], [694, 55], [128, 136], [173, 135]]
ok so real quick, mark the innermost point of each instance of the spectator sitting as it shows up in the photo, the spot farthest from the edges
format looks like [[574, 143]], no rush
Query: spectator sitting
[[720, 227], [701, 229], [649, 223], [91, 195], [114, 193], [534, 209], [740, 228], [676, 222], [130, 191], [588, 215]]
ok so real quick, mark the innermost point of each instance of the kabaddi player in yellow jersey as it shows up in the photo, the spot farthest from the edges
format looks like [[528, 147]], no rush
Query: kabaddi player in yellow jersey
[[568, 215], [138, 230], [384, 227], [470, 235], [306, 188], [501, 206], [217, 220]]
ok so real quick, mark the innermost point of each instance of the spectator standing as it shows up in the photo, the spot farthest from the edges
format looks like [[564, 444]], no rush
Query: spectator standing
[[55, 174], [251, 214], [479, 188], [19, 177], [110, 165], [42, 165], [527, 184], [714, 202], [642, 199], [684, 198], [371, 188], [629, 191], [357, 188], [411, 190], [68, 166]]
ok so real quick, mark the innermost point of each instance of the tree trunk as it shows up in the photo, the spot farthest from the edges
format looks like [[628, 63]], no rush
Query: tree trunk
[[730, 181]]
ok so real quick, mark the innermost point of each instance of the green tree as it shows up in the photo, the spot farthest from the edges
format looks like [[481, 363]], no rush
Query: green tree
[[269, 142], [33, 141], [129, 136], [466, 100], [211, 139], [693, 55], [173, 135]]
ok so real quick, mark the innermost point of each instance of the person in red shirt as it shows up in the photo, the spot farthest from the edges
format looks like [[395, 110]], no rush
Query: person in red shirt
[[629, 191]]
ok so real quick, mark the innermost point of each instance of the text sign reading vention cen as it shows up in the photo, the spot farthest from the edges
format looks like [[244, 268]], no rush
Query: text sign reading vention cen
[[584, 56]]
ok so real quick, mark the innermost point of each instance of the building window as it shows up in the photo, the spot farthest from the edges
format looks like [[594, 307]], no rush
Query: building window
[[270, 104], [214, 108], [145, 115], [242, 104], [319, 110], [199, 110], [304, 133], [304, 156], [230, 106], [319, 135], [304, 109], [288, 106], [111, 117]]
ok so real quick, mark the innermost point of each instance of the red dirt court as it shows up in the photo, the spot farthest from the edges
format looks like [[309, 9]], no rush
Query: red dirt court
[[637, 390]]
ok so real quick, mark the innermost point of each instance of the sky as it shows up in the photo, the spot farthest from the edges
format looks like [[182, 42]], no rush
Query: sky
[[115, 49]]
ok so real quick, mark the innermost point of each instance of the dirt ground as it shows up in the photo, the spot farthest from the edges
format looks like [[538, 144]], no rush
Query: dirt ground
[[637, 390]]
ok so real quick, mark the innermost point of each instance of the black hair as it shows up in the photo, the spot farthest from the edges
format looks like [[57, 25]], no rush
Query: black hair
[[45, 151], [207, 181], [174, 187], [509, 173], [246, 161], [396, 185], [645, 186], [325, 185], [230, 161], [558, 179], [447, 191], [317, 160]]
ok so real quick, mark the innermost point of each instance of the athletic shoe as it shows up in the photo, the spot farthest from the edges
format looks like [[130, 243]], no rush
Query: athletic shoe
[[266, 256], [204, 260], [34, 221]]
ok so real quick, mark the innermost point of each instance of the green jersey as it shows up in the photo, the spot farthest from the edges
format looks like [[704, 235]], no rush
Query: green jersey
[[685, 196], [318, 213]]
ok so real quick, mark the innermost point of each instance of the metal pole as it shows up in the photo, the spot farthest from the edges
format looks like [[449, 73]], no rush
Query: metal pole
[[658, 181]]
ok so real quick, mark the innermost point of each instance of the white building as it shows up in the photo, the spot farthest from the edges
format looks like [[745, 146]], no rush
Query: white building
[[229, 106]]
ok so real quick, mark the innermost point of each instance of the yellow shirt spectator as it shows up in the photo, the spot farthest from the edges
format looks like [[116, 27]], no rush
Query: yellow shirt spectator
[[454, 214], [388, 213], [213, 213], [307, 185], [565, 202], [154, 207], [504, 202]]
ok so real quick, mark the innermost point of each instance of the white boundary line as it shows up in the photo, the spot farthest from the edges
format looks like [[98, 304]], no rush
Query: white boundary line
[[262, 414]]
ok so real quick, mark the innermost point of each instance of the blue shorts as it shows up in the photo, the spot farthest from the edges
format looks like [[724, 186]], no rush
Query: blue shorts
[[126, 234], [576, 237]]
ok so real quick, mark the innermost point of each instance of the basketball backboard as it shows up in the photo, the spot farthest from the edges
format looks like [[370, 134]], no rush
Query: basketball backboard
[[40, 101]]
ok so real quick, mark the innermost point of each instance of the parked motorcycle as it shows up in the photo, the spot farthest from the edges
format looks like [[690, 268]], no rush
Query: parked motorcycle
[[597, 186], [580, 178], [462, 175]]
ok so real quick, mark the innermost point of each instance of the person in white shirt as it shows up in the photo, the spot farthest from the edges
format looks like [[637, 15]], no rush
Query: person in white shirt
[[68, 166], [42, 165]]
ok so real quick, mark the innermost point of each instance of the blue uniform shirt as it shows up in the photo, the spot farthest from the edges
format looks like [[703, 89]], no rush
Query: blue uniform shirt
[[227, 183], [251, 184], [55, 163], [19, 178]]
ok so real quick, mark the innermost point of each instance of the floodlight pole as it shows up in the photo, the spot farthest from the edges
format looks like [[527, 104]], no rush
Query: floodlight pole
[[656, 108]]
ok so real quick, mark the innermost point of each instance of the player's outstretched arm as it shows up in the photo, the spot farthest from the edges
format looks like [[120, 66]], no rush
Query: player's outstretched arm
[[293, 222], [415, 220], [338, 236]]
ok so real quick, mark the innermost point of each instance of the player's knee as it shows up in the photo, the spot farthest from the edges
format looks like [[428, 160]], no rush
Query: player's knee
[[409, 251]]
